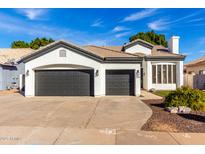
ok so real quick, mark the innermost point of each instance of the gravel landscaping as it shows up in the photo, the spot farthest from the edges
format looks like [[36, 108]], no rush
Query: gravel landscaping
[[164, 121]]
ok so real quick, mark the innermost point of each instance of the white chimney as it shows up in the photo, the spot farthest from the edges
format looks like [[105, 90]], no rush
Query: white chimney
[[173, 44]]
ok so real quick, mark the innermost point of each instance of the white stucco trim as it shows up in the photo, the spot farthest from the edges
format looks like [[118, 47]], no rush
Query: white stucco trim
[[180, 73], [164, 86], [138, 49]]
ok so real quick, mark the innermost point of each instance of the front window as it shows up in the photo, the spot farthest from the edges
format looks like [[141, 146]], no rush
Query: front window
[[163, 74], [169, 73], [174, 73], [154, 79], [159, 74]]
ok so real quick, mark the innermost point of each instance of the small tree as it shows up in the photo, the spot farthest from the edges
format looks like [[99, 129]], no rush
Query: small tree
[[19, 44], [151, 37], [34, 44]]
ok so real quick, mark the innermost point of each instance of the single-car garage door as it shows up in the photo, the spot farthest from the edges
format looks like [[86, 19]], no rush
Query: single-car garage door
[[120, 82], [64, 83]]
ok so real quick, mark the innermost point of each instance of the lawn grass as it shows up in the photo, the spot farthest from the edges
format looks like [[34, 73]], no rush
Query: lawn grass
[[162, 93]]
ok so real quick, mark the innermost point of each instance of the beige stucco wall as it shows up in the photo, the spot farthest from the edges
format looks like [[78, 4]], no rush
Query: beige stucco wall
[[195, 69]]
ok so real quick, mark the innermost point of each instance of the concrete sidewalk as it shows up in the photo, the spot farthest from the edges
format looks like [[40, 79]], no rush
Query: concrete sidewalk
[[145, 95], [61, 135]]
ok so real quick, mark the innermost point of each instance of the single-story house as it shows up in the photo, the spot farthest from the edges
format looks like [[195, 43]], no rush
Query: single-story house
[[194, 73], [9, 68], [196, 66], [65, 69]]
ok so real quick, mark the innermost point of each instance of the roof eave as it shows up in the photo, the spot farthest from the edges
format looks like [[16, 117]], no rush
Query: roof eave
[[165, 58], [123, 59]]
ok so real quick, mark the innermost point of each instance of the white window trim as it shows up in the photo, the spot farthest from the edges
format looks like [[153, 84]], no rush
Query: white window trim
[[156, 74]]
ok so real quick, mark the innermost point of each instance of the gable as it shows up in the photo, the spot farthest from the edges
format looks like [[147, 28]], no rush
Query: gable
[[138, 46], [138, 49], [54, 58], [61, 44]]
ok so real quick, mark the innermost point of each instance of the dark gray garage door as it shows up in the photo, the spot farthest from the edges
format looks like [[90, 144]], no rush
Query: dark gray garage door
[[64, 83], [119, 82]]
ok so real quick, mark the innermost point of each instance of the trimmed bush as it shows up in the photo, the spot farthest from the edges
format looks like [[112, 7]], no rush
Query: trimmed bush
[[193, 98]]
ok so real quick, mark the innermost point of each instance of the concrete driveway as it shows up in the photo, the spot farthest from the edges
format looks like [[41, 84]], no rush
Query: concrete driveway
[[81, 120], [67, 120]]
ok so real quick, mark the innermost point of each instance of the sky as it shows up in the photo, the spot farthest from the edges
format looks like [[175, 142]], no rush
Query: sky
[[105, 26]]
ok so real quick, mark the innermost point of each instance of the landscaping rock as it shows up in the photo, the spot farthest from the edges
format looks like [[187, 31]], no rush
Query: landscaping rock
[[172, 109], [152, 90], [184, 109]]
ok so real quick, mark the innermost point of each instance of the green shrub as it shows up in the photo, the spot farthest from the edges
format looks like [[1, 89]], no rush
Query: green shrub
[[193, 98]]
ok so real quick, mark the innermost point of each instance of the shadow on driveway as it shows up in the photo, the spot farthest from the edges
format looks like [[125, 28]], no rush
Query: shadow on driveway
[[199, 118]]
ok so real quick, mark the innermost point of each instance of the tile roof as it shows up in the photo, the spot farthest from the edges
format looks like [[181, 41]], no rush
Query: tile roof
[[7, 54], [157, 51], [160, 51], [196, 62], [117, 48], [107, 51]]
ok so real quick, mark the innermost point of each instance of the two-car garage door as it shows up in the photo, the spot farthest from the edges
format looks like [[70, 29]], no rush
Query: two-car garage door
[[64, 83], [81, 82]]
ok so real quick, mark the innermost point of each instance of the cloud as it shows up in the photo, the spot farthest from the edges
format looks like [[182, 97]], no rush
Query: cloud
[[98, 42], [202, 40], [119, 28], [188, 16], [97, 23], [195, 20], [33, 14], [187, 53], [15, 25], [163, 24], [140, 15], [122, 34], [201, 51], [158, 25]]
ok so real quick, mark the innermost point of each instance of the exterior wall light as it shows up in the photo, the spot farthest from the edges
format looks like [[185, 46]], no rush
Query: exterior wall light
[[137, 73], [97, 73], [27, 73]]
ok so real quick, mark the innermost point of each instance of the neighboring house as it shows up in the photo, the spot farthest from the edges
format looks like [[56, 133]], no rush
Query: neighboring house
[[196, 66], [65, 69], [195, 73], [9, 71]]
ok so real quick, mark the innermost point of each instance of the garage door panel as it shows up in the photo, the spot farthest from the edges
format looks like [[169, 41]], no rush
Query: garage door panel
[[119, 82], [64, 83]]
